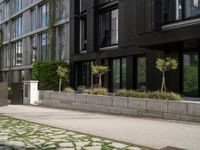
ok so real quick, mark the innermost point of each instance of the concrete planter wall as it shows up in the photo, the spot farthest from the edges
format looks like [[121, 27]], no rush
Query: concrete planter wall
[[3, 94], [162, 109]]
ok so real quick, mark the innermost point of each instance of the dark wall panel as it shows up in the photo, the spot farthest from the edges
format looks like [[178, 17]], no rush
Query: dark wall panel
[[127, 23]]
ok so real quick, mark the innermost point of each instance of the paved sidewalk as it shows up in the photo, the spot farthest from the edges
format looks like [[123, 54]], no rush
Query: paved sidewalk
[[145, 132]]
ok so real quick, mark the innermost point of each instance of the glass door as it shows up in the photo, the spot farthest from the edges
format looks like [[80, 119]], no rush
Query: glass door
[[190, 73]]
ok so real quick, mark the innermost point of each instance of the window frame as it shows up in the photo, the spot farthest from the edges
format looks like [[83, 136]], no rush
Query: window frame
[[110, 44]]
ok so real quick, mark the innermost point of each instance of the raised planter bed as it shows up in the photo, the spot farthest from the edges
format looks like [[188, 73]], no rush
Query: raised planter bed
[[162, 109]]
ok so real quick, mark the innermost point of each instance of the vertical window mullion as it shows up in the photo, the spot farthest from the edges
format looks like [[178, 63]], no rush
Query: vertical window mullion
[[120, 72]]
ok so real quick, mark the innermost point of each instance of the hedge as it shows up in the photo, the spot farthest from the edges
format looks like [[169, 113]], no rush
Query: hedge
[[149, 95], [45, 73], [96, 91]]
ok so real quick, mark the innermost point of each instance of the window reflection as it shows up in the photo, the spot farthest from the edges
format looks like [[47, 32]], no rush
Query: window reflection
[[141, 73], [119, 73], [174, 10], [109, 28], [190, 73]]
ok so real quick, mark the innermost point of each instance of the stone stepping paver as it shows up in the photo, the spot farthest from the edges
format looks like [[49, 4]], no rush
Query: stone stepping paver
[[20, 134]]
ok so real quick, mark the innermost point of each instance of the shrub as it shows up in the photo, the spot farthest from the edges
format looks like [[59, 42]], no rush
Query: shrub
[[9, 92], [46, 74], [164, 65], [69, 90], [150, 95], [97, 91], [99, 71], [62, 72], [81, 88]]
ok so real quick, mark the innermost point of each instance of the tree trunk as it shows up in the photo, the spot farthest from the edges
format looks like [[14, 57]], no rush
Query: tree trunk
[[100, 81], [60, 84], [163, 87]]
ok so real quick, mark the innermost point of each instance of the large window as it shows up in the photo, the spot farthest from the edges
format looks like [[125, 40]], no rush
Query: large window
[[141, 73], [63, 8], [44, 15], [174, 10], [33, 20], [7, 9], [83, 4], [33, 49], [83, 33], [5, 56], [17, 53], [190, 73], [43, 46], [84, 75], [109, 28], [18, 5], [17, 24], [119, 73], [61, 42]]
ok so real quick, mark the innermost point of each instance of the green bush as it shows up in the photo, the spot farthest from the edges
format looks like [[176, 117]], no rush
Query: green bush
[[9, 92], [46, 74], [97, 91], [150, 95], [69, 90]]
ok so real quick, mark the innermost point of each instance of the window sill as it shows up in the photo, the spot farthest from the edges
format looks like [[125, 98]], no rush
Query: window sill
[[181, 24], [109, 47], [83, 52]]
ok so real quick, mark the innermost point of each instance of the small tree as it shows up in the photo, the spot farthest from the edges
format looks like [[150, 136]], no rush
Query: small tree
[[99, 71], [164, 65], [62, 72]]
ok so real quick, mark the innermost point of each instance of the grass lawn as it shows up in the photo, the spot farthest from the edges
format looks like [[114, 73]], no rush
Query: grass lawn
[[18, 134]]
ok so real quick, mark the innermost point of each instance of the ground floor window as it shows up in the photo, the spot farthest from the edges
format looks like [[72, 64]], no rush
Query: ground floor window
[[119, 73], [190, 73], [141, 73], [83, 74]]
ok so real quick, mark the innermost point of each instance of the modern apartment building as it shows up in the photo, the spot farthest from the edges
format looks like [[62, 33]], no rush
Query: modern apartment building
[[129, 35], [27, 26]]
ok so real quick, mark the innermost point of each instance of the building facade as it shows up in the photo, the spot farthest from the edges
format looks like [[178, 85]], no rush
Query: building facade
[[25, 26], [126, 35], [129, 35]]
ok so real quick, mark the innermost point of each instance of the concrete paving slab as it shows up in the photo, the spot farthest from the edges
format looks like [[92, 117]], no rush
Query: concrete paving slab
[[146, 132]]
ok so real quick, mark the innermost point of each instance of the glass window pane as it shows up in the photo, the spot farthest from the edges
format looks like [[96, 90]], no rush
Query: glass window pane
[[109, 28], [84, 74], [174, 10], [105, 1], [34, 48], [33, 17], [141, 73], [124, 73], [61, 42], [83, 4], [44, 15], [114, 27], [190, 73], [83, 34], [192, 8], [116, 74], [43, 52]]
